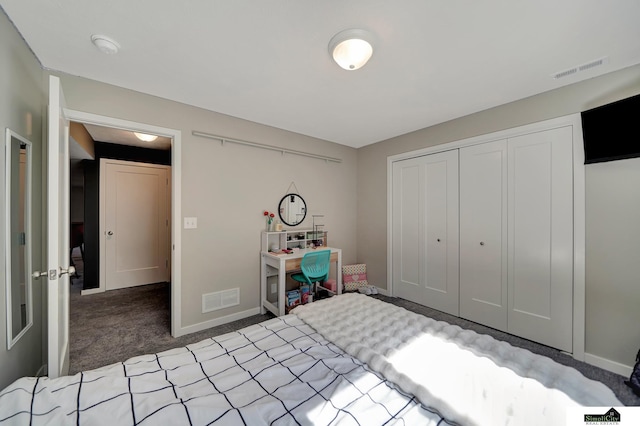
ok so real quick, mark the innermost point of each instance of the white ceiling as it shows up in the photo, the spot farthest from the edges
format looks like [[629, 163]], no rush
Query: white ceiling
[[125, 137], [267, 60]]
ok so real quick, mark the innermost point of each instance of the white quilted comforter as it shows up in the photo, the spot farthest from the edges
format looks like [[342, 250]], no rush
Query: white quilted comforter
[[467, 377]]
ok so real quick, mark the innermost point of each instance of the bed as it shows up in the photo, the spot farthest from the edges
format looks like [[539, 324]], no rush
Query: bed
[[351, 360]]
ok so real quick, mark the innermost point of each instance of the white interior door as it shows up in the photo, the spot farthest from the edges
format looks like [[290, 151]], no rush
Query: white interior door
[[483, 233], [136, 223], [58, 233], [541, 237], [425, 220]]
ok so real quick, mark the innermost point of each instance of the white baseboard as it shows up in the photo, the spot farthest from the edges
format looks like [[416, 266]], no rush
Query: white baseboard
[[215, 322], [383, 291], [42, 371], [91, 291], [606, 364]]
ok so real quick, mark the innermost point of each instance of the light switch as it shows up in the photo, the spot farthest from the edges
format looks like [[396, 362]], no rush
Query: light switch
[[190, 222]]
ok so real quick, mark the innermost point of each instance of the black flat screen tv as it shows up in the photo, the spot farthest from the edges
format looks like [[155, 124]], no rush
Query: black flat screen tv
[[612, 132]]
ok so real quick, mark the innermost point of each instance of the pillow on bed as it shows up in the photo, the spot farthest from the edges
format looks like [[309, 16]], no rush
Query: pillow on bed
[[354, 276]]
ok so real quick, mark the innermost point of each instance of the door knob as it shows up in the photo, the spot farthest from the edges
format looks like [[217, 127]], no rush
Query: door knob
[[481, 243], [110, 233], [70, 270], [38, 274], [438, 239]]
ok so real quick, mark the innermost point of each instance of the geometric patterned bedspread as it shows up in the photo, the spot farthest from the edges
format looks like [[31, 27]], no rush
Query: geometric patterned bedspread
[[278, 372]]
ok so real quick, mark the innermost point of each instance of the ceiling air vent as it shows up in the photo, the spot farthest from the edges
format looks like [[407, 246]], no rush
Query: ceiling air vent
[[565, 73], [580, 68], [591, 64]]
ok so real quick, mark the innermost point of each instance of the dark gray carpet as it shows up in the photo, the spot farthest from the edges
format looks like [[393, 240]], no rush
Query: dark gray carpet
[[116, 325]]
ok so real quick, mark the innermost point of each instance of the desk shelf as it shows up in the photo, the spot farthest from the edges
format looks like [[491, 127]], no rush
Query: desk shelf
[[290, 238]]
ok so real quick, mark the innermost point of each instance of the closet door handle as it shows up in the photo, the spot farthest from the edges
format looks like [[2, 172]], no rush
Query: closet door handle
[[438, 239], [70, 270], [38, 274], [481, 243]]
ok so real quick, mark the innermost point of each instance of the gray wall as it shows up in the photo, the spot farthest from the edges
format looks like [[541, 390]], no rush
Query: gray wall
[[228, 187], [613, 259], [21, 102], [607, 334]]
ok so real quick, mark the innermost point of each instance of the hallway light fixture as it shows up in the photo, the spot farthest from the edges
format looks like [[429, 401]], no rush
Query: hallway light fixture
[[351, 49], [145, 137]]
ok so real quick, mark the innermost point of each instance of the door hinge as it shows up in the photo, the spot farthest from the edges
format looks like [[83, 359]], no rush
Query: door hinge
[[166, 263]]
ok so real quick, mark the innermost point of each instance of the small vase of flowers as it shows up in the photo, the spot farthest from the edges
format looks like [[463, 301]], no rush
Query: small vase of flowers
[[269, 220]]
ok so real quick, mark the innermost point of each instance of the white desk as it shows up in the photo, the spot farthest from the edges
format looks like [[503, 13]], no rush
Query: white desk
[[279, 265]]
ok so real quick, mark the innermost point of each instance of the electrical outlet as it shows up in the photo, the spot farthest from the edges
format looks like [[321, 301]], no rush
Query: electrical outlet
[[274, 288]]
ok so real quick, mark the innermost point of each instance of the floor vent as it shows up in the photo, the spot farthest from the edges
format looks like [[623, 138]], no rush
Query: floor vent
[[220, 300], [580, 68]]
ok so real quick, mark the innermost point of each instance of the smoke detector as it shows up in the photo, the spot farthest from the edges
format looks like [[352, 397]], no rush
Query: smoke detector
[[105, 44]]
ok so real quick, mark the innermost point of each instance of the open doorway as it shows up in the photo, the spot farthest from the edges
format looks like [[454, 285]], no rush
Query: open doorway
[[120, 208], [118, 141]]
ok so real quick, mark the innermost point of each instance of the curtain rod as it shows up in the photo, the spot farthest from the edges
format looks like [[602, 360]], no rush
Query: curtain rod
[[223, 139]]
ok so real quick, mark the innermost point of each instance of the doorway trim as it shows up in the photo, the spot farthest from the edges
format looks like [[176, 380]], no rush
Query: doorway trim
[[176, 198]]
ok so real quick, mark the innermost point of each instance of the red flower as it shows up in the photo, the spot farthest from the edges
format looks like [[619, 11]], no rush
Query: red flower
[[269, 217]]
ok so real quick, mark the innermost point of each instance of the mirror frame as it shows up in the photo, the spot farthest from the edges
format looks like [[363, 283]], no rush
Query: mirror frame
[[10, 135], [280, 208]]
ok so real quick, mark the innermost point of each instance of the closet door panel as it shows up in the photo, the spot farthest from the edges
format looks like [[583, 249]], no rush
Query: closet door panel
[[440, 239], [407, 225], [541, 237], [435, 201], [483, 236], [425, 230]]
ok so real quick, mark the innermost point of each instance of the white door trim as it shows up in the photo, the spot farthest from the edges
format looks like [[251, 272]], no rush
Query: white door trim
[[579, 284], [176, 199]]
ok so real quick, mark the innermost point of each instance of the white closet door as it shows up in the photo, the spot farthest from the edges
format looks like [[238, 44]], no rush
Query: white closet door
[[425, 221], [483, 234], [541, 237]]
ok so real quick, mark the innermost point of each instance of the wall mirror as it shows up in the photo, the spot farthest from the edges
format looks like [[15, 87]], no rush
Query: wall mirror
[[18, 236], [292, 209]]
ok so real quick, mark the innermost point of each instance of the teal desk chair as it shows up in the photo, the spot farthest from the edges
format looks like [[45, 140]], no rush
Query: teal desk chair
[[315, 267]]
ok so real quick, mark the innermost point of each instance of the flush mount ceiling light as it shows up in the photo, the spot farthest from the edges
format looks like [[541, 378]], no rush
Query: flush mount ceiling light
[[145, 137], [105, 44], [351, 49]]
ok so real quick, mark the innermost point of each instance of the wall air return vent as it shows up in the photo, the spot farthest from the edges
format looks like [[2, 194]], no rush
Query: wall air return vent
[[220, 300]]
